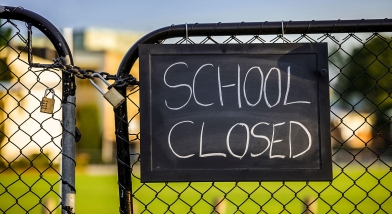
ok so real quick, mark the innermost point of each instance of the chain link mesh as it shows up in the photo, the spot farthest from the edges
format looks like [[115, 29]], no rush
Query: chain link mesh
[[361, 102], [30, 141], [361, 108]]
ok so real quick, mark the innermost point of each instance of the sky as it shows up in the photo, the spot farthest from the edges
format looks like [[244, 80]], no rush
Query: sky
[[148, 15]]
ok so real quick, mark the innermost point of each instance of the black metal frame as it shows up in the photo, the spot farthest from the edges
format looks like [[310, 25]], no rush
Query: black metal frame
[[218, 29], [253, 28], [50, 31], [46, 27], [68, 96], [191, 171]]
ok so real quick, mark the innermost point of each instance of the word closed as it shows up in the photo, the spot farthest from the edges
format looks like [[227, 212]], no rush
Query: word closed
[[234, 112]]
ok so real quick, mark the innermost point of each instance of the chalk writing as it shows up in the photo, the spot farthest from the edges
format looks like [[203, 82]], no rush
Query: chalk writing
[[234, 112], [263, 90]]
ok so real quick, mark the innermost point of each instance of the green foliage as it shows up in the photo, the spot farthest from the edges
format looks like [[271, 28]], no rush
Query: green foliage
[[368, 74], [5, 75], [88, 122], [5, 35], [38, 160], [365, 86]]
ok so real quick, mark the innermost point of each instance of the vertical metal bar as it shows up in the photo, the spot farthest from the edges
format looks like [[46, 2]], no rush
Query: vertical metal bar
[[68, 144], [68, 189], [123, 156], [29, 44], [68, 159]]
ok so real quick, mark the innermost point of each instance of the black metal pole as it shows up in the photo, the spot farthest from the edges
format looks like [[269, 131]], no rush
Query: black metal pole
[[253, 28], [123, 156]]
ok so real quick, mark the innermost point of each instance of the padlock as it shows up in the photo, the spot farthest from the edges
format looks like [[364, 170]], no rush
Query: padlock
[[47, 104], [112, 96]]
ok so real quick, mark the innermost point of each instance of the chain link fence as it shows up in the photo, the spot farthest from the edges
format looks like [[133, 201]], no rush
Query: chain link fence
[[31, 150], [360, 73], [33, 144]]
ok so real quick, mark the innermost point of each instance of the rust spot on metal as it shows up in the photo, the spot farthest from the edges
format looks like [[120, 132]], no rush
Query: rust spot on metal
[[69, 185], [68, 209]]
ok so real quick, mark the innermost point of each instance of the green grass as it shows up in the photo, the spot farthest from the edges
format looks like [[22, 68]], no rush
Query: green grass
[[25, 191], [95, 194], [344, 195], [99, 194]]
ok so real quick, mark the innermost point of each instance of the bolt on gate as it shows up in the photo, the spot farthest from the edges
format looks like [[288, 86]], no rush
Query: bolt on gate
[[37, 128], [360, 73]]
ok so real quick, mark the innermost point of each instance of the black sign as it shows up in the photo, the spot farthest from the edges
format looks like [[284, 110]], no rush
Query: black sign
[[230, 112]]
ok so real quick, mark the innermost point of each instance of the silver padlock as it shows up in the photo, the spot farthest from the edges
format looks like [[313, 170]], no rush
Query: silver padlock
[[112, 96], [47, 104]]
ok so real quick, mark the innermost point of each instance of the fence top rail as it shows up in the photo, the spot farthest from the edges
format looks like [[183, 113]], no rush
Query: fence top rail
[[253, 28], [46, 27]]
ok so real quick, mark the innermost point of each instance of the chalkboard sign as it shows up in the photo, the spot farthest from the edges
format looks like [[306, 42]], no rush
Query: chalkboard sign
[[234, 112]]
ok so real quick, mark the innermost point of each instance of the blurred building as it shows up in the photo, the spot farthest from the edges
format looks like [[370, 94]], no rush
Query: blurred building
[[100, 50], [25, 131], [354, 130], [95, 49], [352, 134]]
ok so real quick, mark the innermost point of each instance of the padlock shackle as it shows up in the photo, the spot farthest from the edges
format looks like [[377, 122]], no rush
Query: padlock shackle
[[100, 77], [50, 90], [95, 85]]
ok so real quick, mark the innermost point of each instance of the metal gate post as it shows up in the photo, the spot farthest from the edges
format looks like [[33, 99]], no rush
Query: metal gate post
[[68, 99], [69, 148], [123, 156], [68, 190]]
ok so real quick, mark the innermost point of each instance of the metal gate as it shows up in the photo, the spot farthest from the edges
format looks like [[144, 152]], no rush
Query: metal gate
[[36, 149], [33, 144], [360, 73]]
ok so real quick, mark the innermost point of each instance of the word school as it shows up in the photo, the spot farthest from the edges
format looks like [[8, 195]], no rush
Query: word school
[[246, 130]]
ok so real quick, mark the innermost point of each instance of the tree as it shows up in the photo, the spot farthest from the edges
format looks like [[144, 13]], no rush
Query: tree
[[5, 76], [5, 35], [365, 85]]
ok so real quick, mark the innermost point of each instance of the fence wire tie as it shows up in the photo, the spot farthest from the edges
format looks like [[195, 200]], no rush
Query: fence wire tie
[[186, 33], [29, 43], [282, 32]]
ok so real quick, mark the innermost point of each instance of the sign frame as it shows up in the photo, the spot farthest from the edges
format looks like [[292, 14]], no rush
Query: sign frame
[[147, 55]]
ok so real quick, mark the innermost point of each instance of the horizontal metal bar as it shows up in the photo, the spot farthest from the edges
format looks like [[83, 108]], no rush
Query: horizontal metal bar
[[254, 28], [264, 28], [46, 27]]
